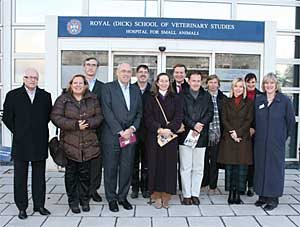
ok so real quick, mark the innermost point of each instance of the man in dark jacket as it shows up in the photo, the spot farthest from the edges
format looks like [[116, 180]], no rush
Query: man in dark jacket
[[91, 65], [198, 112], [27, 114], [122, 110], [179, 84], [142, 74]]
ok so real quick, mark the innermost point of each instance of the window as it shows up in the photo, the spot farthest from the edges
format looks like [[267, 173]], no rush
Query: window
[[197, 10], [285, 46], [231, 66], [285, 16], [22, 64], [33, 11], [29, 41], [72, 63], [288, 74], [123, 8]]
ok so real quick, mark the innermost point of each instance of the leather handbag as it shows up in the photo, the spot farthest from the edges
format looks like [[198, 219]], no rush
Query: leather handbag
[[57, 151]]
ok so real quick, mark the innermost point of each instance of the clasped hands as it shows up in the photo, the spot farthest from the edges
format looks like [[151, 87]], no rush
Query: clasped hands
[[234, 136], [83, 124], [127, 133]]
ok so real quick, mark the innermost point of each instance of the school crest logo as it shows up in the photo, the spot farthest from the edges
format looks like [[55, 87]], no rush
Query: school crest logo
[[74, 27]]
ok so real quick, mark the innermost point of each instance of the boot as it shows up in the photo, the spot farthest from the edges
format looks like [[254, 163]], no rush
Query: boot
[[231, 197], [237, 199]]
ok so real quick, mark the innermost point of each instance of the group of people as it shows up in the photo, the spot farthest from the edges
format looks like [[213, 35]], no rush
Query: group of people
[[119, 126]]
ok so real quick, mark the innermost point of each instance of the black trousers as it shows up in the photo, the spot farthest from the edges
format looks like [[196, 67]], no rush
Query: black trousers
[[38, 183], [95, 174], [77, 182], [140, 156], [118, 168], [211, 170], [250, 176]]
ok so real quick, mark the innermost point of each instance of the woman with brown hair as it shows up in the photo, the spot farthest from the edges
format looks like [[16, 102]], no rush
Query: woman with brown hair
[[236, 146], [162, 160], [77, 113]]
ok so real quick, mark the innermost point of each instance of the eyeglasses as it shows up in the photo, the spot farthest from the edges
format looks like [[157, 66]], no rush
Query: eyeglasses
[[31, 78]]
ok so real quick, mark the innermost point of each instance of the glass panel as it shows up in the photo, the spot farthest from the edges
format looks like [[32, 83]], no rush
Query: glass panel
[[72, 63], [291, 144], [22, 64], [135, 61], [283, 15], [285, 46], [123, 8], [197, 10], [33, 11], [230, 66], [200, 64], [295, 101], [29, 41], [288, 75], [0, 40]]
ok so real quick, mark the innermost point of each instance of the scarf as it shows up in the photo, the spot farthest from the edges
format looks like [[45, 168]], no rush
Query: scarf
[[214, 132]]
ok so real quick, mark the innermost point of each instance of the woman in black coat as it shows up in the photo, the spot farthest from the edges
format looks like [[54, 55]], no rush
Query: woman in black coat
[[252, 93], [275, 121], [162, 161]]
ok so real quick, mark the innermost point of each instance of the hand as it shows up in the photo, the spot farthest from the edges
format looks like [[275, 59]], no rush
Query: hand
[[194, 134], [165, 132], [252, 131], [127, 133], [233, 134], [83, 125], [198, 126], [238, 140]]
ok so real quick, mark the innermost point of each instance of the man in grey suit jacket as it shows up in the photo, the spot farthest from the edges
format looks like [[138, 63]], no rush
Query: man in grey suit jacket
[[122, 110], [90, 66]]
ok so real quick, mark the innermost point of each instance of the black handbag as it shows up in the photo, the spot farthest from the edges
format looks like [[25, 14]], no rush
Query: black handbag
[[57, 151]]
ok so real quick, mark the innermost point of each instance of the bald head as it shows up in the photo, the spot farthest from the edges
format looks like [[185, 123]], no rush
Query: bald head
[[124, 73]]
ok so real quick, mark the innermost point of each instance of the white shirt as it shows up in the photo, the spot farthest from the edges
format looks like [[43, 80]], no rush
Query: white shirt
[[31, 94], [126, 93]]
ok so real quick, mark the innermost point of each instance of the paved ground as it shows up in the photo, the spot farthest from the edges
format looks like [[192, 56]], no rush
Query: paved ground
[[213, 211]]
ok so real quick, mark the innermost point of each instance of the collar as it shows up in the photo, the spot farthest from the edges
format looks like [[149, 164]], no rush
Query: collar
[[123, 86]]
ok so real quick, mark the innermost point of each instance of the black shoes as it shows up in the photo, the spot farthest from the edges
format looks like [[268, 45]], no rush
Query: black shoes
[[250, 192], [42, 211], [75, 209], [85, 208], [272, 203], [96, 197], [237, 199], [134, 194], [22, 214], [261, 201], [146, 194], [187, 201], [126, 204], [113, 206]]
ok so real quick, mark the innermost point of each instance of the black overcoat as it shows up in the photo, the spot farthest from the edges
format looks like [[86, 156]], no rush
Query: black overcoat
[[28, 123]]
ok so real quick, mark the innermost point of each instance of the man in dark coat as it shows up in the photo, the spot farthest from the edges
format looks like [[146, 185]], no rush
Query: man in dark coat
[[91, 65], [122, 110], [142, 74], [27, 114]]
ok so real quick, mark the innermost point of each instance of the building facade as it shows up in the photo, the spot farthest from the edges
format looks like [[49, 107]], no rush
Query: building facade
[[23, 35]]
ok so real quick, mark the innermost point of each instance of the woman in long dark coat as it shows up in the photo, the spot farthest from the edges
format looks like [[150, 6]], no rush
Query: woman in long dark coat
[[236, 146], [252, 93], [162, 161], [274, 120]]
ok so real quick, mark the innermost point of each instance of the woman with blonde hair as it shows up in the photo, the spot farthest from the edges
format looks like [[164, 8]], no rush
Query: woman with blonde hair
[[275, 121], [77, 113], [235, 146]]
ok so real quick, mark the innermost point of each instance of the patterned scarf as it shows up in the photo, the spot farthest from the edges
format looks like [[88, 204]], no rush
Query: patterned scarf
[[214, 126]]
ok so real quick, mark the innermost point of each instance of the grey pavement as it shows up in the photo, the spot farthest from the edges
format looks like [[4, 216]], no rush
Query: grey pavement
[[212, 212]]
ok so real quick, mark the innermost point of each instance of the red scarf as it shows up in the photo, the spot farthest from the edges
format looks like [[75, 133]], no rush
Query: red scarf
[[251, 95], [237, 100]]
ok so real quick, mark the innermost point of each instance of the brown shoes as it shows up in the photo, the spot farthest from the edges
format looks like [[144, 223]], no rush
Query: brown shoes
[[187, 201], [195, 200]]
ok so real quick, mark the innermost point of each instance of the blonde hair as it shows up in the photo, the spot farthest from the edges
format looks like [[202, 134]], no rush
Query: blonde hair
[[234, 82], [270, 77]]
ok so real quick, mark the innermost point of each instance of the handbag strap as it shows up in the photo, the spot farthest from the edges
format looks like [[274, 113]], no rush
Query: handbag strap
[[162, 110], [56, 131]]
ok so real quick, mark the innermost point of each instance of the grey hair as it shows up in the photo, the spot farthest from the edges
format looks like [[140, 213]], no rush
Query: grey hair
[[270, 77], [233, 83], [30, 71]]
